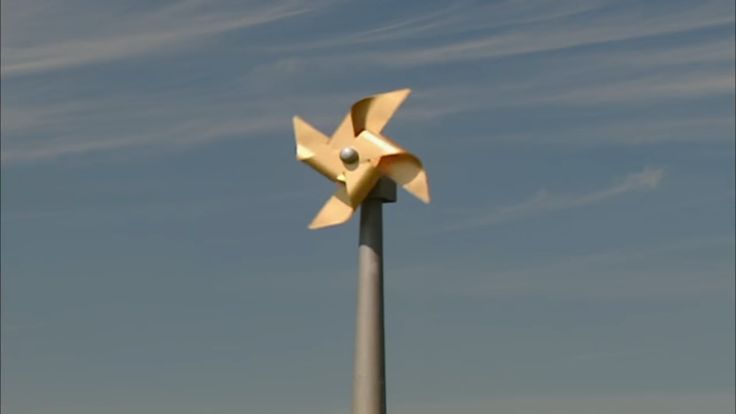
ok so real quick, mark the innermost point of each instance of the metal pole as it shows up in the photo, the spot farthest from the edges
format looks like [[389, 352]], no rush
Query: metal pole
[[369, 376]]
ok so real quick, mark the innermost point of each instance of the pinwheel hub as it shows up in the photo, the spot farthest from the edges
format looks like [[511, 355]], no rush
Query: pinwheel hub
[[349, 155]]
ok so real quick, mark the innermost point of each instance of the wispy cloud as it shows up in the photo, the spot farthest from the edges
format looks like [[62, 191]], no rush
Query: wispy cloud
[[682, 70], [34, 132], [180, 135], [552, 92], [537, 30], [557, 37], [545, 201], [669, 267], [271, 87], [458, 18], [689, 128], [124, 35], [650, 89]]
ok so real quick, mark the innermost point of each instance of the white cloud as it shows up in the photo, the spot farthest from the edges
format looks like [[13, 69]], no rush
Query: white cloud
[[692, 128], [533, 30], [460, 17], [647, 89], [161, 120], [35, 129], [672, 268], [633, 76], [545, 201], [92, 38], [553, 89], [180, 135]]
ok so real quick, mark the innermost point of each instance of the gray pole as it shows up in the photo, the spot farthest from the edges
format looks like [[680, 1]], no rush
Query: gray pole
[[369, 376]]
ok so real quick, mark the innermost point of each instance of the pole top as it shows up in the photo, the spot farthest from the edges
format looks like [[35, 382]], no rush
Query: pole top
[[384, 190]]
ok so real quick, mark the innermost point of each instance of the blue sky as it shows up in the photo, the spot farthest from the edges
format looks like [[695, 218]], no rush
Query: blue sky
[[577, 257]]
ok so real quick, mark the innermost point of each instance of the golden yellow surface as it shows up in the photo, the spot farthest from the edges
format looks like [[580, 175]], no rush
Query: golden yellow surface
[[378, 156]]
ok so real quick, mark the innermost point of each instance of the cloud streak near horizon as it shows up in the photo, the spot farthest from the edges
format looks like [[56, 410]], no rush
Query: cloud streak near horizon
[[544, 201]]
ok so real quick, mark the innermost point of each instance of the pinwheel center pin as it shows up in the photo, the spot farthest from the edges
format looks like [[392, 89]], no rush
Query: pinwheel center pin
[[349, 155]]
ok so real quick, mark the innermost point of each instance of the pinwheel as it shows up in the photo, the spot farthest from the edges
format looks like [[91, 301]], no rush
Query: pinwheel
[[358, 155], [364, 163]]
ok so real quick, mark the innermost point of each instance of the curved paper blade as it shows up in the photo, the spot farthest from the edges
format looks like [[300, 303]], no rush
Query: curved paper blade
[[336, 210], [312, 148], [372, 146], [343, 135], [374, 112], [408, 172], [360, 181]]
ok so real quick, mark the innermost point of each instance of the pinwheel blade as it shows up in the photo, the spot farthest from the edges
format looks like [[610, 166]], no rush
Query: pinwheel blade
[[309, 140], [360, 181], [343, 135], [407, 171], [374, 112], [336, 210], [312, 148], [372, 146]]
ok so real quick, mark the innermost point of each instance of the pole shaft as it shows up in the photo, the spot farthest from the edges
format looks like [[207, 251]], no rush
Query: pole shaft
[[369, 377]]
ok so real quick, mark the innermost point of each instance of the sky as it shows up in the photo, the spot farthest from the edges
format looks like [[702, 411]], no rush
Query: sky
[[577, 256]]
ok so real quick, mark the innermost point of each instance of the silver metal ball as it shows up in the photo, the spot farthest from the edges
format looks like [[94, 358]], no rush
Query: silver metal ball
[[349, 155]]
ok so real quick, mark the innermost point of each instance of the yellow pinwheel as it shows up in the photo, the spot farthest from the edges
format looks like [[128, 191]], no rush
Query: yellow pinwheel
[[358, 155]]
